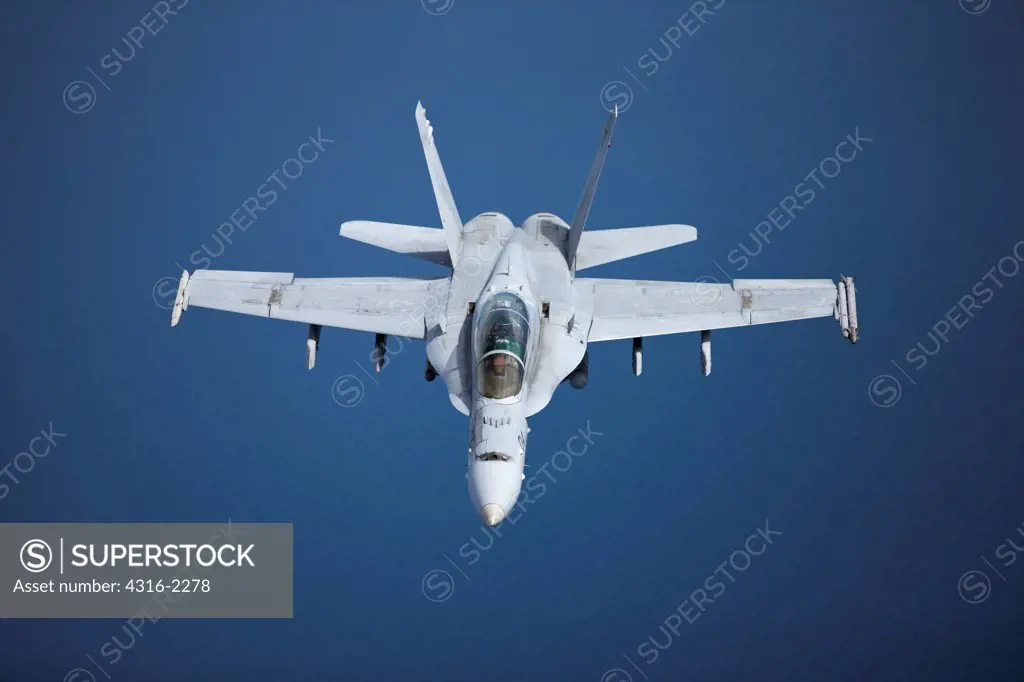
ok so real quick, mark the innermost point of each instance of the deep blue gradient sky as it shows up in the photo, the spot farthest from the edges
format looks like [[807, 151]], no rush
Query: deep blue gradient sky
[[881, 509]]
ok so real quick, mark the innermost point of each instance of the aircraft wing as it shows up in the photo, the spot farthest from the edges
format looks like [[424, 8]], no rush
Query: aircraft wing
[[384, 305], [635, 308]]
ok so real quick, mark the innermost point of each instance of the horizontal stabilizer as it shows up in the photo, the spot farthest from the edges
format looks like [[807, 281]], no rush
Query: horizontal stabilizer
[[606, 246], [427, 243]]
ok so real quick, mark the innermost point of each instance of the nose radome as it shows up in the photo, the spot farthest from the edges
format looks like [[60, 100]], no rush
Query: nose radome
[[493, 514]]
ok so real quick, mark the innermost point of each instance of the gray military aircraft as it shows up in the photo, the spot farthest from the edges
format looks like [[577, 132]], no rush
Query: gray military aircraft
[[511, 320]]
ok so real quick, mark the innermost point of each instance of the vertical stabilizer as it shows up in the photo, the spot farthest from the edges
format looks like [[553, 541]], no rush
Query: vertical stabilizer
[[450, 219], [579, 219]]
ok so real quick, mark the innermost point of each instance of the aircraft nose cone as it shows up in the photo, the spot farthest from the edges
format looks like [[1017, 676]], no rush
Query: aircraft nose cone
[[493, 514]]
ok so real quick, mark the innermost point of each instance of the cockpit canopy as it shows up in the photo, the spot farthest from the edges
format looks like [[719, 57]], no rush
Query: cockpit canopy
[[502, 330]]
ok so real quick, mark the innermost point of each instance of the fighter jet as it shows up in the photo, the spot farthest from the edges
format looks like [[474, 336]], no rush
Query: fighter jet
[[511, 320]]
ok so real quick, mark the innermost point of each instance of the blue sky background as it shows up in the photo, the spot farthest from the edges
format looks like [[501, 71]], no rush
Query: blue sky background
[[881, 509]]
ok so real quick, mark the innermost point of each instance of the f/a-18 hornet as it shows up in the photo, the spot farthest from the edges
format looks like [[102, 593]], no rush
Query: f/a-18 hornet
[[511, 319]]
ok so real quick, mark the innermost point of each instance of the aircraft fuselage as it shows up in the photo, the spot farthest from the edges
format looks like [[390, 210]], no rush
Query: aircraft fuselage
[[499, 348]]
